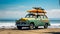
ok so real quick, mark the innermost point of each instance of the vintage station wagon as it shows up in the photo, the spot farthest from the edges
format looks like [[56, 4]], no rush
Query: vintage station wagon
[[34, 19]]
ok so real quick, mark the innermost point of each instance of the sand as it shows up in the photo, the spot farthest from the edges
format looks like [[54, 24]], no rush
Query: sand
[[27, 31]]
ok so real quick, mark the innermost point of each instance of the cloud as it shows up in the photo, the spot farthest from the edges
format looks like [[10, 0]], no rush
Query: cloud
[[54, 13], [12, 14]]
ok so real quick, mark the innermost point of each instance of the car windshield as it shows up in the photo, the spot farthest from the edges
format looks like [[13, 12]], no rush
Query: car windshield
[[30, 16]]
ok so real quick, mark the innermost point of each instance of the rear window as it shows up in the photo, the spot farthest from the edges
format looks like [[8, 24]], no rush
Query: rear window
[[42, 16]]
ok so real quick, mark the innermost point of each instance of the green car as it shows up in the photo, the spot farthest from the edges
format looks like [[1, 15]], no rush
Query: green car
[[33, 21]]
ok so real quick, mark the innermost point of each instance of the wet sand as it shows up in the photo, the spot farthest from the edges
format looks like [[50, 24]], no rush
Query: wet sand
[[27, 31]]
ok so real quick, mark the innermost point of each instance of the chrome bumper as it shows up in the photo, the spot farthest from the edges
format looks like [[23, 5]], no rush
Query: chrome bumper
[[22, 24]]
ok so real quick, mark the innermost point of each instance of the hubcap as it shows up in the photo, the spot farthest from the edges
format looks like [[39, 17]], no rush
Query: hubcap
[[31, 26]]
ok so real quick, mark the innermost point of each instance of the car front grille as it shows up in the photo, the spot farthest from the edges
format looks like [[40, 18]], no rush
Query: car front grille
[[22, 23]]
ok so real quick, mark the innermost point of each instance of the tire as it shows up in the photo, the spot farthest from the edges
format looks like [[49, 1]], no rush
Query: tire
[[31, 26], [46, 26], [36, 27], [19, 27]]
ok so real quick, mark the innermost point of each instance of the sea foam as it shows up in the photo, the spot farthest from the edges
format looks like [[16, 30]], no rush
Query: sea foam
[[12, 26]]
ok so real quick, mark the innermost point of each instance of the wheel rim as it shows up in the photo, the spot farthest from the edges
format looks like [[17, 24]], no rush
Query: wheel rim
[[45, 26], [31, 26]]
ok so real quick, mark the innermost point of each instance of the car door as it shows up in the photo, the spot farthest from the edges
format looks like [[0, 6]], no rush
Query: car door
[[44, 20], [37, 21], [41, 20]]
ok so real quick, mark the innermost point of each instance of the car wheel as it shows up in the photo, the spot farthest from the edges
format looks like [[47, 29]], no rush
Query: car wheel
[[36, 27], [46, 26], [31, 26], [19, 27]]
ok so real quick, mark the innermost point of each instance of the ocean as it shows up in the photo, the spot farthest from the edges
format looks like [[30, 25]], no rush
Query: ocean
[[11, 24]]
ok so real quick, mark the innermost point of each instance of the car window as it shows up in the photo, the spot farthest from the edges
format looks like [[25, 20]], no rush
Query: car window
[[30, 16], [44, 17], [41, 17]]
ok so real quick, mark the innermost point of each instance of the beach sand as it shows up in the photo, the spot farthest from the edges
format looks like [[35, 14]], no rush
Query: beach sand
[[35, 31]]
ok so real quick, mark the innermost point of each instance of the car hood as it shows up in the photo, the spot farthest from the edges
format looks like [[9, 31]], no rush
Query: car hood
[[27, 19]]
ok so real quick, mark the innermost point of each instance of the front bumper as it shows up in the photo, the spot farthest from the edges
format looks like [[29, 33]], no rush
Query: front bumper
[[22, 24]]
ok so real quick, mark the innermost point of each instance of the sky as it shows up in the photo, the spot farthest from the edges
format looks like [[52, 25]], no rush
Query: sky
[[15, 9]]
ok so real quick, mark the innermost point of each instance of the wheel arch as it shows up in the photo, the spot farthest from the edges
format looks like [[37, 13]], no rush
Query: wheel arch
[[46, 23], [32, 23]]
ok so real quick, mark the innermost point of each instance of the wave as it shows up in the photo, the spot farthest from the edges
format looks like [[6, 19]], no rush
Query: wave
[[13, 26]]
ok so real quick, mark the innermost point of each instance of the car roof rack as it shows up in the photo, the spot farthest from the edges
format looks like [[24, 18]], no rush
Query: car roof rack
[[37, 10]]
